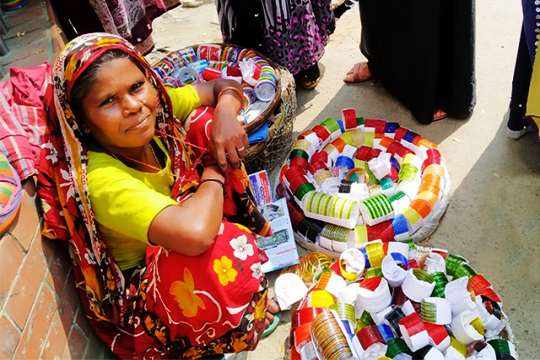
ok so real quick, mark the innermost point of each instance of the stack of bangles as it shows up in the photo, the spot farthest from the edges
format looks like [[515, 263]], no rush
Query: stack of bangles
[[355, 180], [363, 191], [396, 301], [207, 62]]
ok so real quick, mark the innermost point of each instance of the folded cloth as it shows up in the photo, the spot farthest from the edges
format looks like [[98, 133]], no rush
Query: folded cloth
[[259, 135], [22, 117]]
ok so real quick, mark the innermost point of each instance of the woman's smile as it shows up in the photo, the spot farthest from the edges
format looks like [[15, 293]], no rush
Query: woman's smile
[[141, 124]]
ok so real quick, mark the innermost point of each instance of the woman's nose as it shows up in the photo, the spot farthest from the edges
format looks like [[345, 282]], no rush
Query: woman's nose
[[132, 105]]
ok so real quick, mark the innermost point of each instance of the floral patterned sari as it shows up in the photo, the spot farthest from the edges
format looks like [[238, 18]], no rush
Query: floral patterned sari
[[173, 306]]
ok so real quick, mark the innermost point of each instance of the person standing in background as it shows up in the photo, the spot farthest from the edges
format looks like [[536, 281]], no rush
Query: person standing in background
[[518, 124], [423, 53], [130, 19], [292, 34]]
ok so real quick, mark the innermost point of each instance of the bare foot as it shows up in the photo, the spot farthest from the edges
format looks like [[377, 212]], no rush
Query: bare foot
[[271, 309], [439, 115], [359, 73]]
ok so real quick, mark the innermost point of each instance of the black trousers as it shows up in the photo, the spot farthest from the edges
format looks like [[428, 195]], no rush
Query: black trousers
[[370, 18], [520, 86]]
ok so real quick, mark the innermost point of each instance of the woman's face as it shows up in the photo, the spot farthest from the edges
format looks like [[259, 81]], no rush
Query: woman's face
[[120, 108]]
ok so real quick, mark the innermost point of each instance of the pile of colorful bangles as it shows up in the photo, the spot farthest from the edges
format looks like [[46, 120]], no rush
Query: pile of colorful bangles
[[354, 180], [365, 190], [211, 61], [397, 301]]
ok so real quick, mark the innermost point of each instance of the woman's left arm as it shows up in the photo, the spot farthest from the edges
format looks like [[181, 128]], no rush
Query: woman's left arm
[[228, 137]]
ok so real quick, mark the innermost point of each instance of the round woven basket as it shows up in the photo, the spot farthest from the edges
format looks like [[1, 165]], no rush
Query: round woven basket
[[280, 114], [268, 154], [269, 112]]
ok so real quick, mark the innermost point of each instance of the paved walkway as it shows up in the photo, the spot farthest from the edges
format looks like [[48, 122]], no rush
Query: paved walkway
[[33, 36], [493, 217]]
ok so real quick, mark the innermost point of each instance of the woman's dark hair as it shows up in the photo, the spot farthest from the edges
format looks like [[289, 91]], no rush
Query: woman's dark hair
[[82, 84]]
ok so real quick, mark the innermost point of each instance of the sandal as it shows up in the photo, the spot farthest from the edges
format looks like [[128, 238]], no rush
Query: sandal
[[359, 73], [273, 325], [309, 78], [272, 308], [306, 83]]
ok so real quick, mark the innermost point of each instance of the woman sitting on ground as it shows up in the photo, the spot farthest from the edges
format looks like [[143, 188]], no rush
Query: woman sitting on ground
[[161, 274]]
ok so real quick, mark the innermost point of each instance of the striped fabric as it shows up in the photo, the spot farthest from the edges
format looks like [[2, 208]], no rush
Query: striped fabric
[[22, 118], [10, 194]]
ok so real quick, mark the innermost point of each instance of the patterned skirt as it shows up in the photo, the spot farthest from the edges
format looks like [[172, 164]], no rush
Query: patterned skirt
[[292, 33], [214, 303]]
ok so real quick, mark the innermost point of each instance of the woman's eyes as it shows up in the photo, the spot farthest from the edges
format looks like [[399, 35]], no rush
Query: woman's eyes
[[107, 101], [137, 85]]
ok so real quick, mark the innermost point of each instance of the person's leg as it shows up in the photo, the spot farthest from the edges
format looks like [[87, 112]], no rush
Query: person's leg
[[309, 27], [369, 43], [520, 90], [247, 30]]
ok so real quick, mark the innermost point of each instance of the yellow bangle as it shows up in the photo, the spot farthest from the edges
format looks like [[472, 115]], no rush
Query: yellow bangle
[[236, 91]]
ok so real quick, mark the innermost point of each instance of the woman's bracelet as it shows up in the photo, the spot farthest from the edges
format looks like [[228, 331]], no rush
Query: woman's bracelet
[[236, 91], [216, 181]]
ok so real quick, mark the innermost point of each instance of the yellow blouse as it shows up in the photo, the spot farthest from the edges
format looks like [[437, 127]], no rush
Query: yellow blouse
[[125, 201]]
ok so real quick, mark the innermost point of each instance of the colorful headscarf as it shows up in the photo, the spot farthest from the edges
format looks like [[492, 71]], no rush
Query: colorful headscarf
[[62, 183]]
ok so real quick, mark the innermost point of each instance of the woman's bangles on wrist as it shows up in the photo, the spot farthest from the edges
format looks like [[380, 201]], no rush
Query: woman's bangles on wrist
[[217, 181], [238, 92]]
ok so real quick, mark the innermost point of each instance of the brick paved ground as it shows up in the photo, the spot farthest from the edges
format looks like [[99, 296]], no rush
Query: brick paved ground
[[40, 313], [30, 36]]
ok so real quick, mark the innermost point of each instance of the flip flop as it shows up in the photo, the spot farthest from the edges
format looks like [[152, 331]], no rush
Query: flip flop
[[309, 78], [354, 73], [273, 325], [308, 84]]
